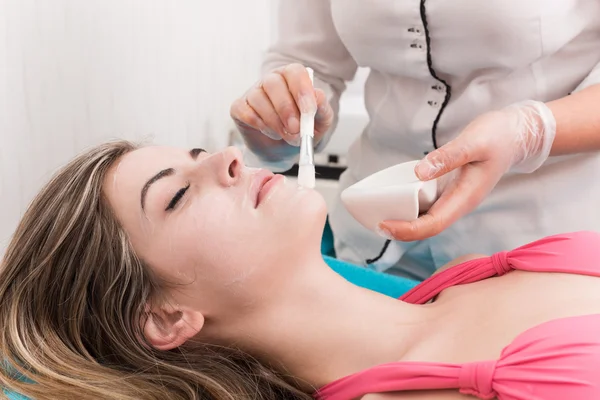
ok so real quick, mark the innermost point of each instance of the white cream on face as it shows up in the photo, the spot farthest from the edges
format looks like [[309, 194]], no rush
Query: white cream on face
[[215, 245]]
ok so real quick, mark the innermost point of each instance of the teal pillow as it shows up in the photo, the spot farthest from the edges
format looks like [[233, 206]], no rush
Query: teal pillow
[[390, 285], [327, 248], [383, 283], [14, 396]]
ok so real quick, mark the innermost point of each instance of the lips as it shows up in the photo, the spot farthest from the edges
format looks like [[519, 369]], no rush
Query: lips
[[260, 181]]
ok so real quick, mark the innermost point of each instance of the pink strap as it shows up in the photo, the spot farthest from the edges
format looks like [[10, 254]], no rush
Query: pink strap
[[472, 379], [573, 253], [555, 360], [476, 379]]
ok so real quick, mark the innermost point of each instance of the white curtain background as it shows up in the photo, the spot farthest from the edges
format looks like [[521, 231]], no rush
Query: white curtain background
[[74, 73]]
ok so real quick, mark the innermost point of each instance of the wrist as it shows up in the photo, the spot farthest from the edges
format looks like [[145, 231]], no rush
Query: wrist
[[534, 130]]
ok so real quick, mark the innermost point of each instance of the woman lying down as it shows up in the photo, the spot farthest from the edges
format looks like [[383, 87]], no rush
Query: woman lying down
[[161, 273]]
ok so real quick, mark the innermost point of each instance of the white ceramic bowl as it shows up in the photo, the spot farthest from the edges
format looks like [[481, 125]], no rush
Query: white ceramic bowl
[[394, 193]]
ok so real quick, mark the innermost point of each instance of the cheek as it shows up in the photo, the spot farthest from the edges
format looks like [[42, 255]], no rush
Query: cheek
[[215, 222], [220, 239], [219, 234], [199, 234]]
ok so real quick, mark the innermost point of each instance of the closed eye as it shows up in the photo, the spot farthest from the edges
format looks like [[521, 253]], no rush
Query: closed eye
[[194, 154], [177, 197]]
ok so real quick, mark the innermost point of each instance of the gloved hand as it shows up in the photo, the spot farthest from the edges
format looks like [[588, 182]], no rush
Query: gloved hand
[[517, 139], [268, 114]]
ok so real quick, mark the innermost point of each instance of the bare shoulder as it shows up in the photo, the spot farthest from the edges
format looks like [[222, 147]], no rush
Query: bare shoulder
[[420, 395]]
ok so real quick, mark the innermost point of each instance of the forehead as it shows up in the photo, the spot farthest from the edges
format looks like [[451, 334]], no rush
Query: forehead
[[135, 167]]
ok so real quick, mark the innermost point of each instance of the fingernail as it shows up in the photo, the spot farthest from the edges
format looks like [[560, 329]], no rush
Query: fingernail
[[421, 170], [307, 104], [384, 233], [293, 140], [322, 112], [425, 169], [293, 125], [271, 134]]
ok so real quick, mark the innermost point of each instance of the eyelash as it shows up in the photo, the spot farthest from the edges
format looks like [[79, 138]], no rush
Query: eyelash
[[177, 197]]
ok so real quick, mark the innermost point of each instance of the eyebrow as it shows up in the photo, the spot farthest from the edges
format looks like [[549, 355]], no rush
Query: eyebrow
[[162, 174]]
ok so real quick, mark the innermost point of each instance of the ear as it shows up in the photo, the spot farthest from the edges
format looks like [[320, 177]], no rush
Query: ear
[[168, 327]]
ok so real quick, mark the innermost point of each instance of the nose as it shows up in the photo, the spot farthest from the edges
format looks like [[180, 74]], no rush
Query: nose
[[230, 165]]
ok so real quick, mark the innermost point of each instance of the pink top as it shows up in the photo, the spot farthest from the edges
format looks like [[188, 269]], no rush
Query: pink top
[[556, 360]]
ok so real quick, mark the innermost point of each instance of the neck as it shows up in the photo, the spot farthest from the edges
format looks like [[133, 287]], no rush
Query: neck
[[322, 328]]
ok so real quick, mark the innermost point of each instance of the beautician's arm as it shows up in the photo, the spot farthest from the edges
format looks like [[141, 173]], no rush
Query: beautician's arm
[[577, 122], [518, 138]]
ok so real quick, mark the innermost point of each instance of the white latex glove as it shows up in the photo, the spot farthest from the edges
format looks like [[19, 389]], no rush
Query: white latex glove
[[517, 138]]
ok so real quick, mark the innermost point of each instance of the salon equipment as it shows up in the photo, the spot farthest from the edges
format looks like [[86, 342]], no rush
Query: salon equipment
[[394, 193]]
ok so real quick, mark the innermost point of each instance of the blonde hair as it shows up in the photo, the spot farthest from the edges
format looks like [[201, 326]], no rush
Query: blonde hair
[[72, 306]]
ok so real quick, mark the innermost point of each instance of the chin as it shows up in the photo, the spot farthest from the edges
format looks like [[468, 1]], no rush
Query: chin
[[312, 215], [304, 214], [313, 205], [320, 207]]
